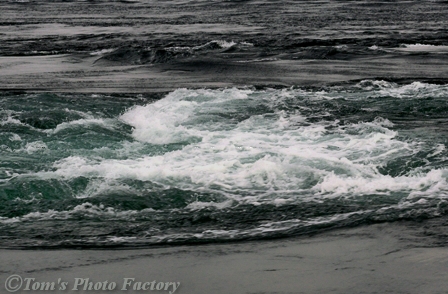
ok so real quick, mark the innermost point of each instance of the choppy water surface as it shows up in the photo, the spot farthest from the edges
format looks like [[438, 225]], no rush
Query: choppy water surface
[[144, 31], [218, 165]]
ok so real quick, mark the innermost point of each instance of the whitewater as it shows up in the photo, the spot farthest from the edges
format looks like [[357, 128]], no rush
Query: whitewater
[[216, 165]]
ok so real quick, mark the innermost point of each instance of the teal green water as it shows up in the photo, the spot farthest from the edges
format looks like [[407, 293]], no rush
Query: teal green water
[[218, 165]]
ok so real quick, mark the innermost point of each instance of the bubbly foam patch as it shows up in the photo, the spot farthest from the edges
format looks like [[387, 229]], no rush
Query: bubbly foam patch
[[244, 144], [424, 48], [205, 165], [84, 123]]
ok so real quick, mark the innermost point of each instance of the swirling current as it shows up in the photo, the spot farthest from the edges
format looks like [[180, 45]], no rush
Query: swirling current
[[203, 165]]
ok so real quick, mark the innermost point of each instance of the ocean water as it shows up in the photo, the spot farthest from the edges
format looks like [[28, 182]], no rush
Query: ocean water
[[218, 165]]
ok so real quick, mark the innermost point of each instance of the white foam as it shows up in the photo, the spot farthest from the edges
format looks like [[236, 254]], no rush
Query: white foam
[[438, 150], [415, 90], [81, 113], [86, 209], [105, 187], [15, 137], [263, 229], [33, 147], [225, 44], [423, 48], [200, 205], [257, 60], [422, 185], [116, 239], [166, 121], [370, 85], [105, 123], [11, 120], [102, 52], [270, 156], [221, 43]]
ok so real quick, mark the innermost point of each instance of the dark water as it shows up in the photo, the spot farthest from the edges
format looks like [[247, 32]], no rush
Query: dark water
[[145, 31], [214, 165], [219, 165]]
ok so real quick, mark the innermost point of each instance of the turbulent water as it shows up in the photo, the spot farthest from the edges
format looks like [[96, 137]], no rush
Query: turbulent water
[[235, 153], [218, 165], [146, 31]]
